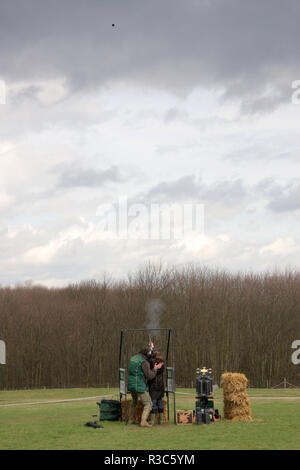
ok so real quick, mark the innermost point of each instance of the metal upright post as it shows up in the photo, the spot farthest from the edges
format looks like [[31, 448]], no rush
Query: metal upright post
[[167, 361], [120, 362], [125, 361], [174, 376]]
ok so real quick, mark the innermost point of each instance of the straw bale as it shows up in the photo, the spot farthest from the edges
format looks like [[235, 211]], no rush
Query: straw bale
[[139, 411], [236, 401]]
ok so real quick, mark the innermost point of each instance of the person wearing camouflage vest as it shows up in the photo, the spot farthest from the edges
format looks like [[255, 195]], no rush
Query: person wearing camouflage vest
[[139, 373]]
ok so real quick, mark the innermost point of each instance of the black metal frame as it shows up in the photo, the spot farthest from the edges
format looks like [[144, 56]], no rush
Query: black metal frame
[[123, 360]]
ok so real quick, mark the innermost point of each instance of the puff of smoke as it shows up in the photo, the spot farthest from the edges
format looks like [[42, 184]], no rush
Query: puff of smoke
[[154, 309]]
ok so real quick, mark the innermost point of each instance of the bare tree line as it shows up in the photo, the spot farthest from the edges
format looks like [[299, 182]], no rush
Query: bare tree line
[[69, 337]]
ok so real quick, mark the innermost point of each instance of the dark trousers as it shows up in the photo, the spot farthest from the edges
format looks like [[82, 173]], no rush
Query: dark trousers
[[157, 404]]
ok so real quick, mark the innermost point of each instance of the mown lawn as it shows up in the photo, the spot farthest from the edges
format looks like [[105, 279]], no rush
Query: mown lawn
[[276, 423]]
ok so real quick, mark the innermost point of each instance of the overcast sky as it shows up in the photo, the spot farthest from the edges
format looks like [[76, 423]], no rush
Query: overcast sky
[[177, 103]]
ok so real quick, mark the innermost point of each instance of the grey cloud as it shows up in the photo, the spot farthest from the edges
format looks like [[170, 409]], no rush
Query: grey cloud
[[266, 148], [175, 148], [24, 94], [77, 177], [226, 191], [262, 92], [268, 187], [188, 188], [174, 114], [286, 200], [242, 47], [185, 187], [267, 103], [280, 197]]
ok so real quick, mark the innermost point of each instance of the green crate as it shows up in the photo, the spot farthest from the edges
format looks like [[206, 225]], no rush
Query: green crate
[[110, 410], [210, 404]]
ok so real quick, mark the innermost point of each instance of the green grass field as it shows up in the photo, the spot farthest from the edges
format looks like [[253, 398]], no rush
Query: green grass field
[[29, 422]]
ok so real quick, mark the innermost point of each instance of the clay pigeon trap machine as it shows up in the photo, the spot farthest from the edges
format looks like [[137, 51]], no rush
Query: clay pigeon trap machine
[[205, 411]]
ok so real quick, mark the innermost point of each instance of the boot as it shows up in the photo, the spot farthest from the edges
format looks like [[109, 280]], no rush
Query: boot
[[144, 422], [152, 418], [160, 418]]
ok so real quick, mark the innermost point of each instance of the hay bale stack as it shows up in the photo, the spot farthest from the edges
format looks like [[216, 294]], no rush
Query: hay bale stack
[[139, 411], [236, 401]]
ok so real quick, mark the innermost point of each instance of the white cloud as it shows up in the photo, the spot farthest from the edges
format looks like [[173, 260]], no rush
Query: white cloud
[[13, 232], [43, 254], [52, 282], [5, 200], [203, 247], [281, 246]]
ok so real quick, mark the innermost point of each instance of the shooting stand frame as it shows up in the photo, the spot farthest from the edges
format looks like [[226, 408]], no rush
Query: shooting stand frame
[[169, 360]]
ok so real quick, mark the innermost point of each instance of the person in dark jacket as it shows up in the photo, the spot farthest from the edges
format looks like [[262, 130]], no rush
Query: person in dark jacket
[[140, 373], [156, 390]]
